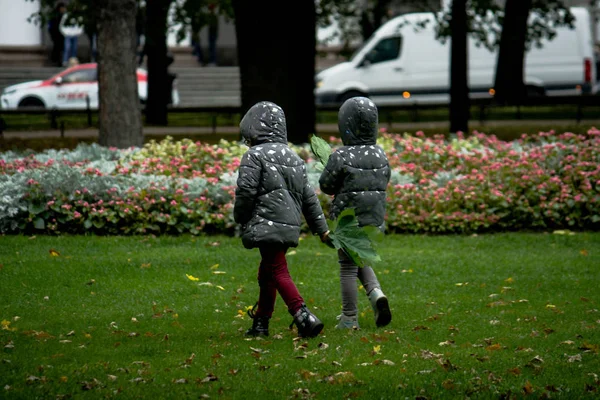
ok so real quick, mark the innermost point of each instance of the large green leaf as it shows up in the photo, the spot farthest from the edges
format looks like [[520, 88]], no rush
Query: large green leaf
[[357, 242], [320, 149]]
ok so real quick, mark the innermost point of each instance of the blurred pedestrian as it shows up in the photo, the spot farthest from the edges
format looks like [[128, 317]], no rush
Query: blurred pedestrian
[[71, 28], [201, 16], [213, 33], [58, 40], [140, 33]]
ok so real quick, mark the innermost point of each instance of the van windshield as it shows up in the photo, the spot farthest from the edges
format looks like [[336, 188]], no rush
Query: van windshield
[[386, 49]]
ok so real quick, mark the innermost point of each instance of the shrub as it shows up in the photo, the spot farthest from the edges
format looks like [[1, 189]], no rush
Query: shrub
[[438, 185]]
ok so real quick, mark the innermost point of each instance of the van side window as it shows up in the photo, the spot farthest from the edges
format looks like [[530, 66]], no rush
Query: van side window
[[387, 49]]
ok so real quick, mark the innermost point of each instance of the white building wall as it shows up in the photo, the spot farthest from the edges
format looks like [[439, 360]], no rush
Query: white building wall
[[15, 30]]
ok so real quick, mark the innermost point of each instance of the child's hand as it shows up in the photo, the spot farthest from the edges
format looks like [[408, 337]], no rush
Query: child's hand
[[327, 240]]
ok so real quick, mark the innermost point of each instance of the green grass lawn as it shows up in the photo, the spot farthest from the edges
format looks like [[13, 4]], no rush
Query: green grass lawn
[[489, 316]]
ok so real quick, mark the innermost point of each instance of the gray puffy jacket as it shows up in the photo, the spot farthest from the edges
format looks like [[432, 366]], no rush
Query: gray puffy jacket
[[273, 191], [357, 173]]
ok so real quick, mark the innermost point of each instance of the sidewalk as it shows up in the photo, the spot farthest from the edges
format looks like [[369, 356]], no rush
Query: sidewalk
[[441, 126]]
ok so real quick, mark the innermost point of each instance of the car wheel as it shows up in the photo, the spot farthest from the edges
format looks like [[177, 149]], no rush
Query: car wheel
[[350, 94], [31, 102]]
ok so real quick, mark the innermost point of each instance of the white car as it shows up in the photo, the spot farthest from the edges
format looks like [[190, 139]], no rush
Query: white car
[[68, 89]]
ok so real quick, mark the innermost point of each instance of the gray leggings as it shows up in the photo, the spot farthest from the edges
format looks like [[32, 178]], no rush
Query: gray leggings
[[348, 274]]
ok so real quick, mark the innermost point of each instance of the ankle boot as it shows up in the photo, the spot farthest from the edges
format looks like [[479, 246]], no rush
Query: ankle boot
[[260, 327], [307, 323], [347, 322], [381, 307]]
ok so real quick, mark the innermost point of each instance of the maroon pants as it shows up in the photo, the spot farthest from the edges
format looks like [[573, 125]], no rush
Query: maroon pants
[[273, 277]]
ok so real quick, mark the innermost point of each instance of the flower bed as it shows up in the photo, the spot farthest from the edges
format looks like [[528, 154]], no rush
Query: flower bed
[[462, 185]]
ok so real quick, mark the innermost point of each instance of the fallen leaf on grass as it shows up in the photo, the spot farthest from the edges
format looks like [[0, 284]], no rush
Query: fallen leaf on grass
[[528, 388], [54, 253], [421, 328], [209, 378], [192, 278], [6, 325], [256, 350], [448, 384], [587, 347], [384, 362], [493, 347], [427, 355], [446, 364], [572, 359]]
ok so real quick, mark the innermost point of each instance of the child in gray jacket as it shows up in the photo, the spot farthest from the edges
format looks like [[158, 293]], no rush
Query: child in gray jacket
[[271, 197], [357, 175]]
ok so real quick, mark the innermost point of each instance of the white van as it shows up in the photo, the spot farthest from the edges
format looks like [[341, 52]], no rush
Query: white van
[[403, 64]]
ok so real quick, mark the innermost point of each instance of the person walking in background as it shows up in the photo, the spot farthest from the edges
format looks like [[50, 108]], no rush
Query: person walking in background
[[91, 31], [272, 194], [140, 33], [58, 40], [202, 16], [197, 22], [213, 33], [357, 175], [71, 29]]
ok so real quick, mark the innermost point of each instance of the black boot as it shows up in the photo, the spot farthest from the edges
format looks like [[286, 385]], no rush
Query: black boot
[[307, 323], [260, 325]]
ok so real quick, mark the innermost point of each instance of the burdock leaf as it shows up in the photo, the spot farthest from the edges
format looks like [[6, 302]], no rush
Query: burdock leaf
[[320, 149], [357, 242]]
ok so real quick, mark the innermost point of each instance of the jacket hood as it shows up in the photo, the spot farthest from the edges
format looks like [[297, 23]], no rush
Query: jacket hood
[[358, 121], [264, 122]]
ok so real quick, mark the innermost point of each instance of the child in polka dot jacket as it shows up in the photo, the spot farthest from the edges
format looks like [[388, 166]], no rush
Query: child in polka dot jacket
[[357, 175], [272, 194]]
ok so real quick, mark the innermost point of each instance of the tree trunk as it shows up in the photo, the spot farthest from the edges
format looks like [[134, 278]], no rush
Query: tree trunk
[[459, 86], [119, 115], [509, 84], [156, 50], [276, 56]]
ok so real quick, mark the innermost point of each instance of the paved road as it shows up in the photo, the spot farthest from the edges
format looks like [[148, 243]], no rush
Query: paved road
[[441, 126]]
